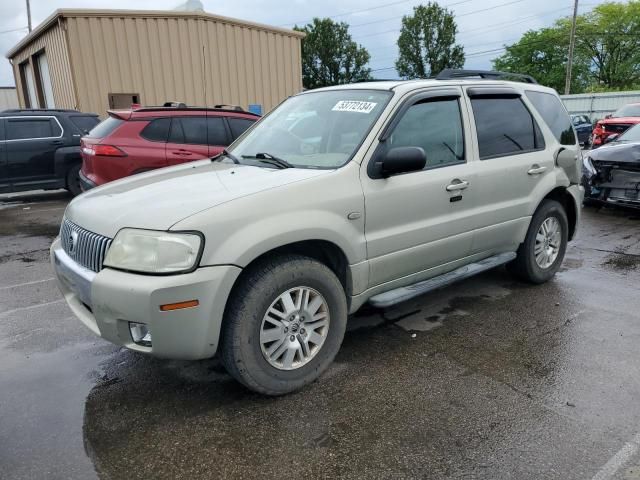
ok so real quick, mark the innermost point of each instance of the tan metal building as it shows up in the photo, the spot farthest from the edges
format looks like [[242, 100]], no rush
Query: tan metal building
[[93, 60], [8, 98]]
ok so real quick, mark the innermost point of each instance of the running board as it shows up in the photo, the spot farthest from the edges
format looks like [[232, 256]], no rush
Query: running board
[[402, 294]]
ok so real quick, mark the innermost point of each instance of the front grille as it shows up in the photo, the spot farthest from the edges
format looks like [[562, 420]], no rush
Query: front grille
[[85, 247]]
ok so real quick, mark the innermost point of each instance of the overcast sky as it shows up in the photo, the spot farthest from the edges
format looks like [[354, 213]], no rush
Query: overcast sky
[[484, 25]]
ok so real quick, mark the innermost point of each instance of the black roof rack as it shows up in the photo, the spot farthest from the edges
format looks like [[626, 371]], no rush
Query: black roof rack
[[452, 74], [18, 110], [174, 104], [225, 106], [189, 108]]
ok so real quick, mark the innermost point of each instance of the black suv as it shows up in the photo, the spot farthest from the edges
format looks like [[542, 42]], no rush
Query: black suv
[[40, 148]]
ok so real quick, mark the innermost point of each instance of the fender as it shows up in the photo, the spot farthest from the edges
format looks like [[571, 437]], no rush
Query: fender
[[64, 158]]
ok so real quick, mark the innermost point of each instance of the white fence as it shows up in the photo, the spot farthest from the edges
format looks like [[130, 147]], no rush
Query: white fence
[[597, 105]]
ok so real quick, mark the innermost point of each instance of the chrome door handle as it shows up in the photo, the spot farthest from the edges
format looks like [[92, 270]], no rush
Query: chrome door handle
[[456, 185], [536, 170]]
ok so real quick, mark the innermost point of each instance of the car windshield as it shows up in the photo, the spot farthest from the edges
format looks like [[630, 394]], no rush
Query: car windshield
[[627, 111], [631, 135], [313, 130]]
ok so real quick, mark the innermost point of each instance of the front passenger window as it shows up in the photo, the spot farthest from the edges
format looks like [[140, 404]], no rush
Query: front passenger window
[[436, 127]]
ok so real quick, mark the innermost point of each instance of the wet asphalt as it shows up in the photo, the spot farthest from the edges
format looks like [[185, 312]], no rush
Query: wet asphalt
[[490, 378]]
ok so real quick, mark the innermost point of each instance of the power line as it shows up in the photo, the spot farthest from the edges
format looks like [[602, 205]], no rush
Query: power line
[[532, 42], [486, 27], [456, 16], [377, 7], [14, 30], [400, 16]]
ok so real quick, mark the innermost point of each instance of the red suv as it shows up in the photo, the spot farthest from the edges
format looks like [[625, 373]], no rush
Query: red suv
[[616, 124], [141, 139]]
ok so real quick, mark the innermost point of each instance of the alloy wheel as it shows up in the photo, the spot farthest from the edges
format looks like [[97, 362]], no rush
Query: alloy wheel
[[294, 328]]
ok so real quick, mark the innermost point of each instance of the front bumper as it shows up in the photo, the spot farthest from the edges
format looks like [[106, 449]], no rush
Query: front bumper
[[107, 301]]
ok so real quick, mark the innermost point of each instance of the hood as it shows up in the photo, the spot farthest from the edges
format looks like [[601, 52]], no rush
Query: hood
[[616, 120], [159, 199], [618, 152]]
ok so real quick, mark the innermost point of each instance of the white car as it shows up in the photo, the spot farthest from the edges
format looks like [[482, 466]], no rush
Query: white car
[[261, 253]]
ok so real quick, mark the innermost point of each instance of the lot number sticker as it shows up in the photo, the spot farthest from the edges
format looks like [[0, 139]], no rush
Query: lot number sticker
[[354, 106]]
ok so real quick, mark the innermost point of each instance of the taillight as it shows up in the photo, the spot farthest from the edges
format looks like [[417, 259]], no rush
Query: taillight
[[104, 150]]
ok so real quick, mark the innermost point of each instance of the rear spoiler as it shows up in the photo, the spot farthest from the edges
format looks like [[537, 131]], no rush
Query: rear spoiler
[[120, 114]]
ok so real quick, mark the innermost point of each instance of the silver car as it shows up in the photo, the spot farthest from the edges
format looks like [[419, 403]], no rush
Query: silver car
[[373, 192]]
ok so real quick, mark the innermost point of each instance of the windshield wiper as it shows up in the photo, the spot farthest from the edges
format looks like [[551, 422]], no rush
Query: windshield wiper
[[227, 154], [265, 157]]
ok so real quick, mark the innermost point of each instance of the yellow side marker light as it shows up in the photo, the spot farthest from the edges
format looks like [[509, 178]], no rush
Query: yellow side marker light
[[179, 305]]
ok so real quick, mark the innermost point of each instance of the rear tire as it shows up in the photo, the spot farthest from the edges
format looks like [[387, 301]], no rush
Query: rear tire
[[73, 180], [541, 253], [284, 324]]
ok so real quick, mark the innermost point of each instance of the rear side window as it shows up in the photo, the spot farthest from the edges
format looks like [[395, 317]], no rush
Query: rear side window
[[194, 130], [504, 127], [31, 128], [84, 123], [239, 125], [106, 127], [555, 116], [157, 130]]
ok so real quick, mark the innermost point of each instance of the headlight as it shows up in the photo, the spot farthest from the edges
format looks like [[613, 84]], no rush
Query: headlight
[[152, 251]]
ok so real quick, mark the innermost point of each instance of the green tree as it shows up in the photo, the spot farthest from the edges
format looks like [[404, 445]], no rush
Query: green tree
[[427, 42], [609, 36], [606, 55], [330, 56], [543, 55]]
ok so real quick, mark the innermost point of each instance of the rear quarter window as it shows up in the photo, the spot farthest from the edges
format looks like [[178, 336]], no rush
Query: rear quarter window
[[554, 115], [84, 123], [157, 130], [106, 127]]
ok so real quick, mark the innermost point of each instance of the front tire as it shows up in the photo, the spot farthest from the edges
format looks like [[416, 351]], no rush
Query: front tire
[[541, 253], [284, 324]]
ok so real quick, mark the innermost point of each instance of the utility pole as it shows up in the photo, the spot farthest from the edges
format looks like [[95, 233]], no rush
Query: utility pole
[[572, 41], [29, 15]]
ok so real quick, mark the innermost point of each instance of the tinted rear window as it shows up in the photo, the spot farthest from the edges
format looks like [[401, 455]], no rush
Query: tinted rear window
[[554, 115], [157, 130], [106, 127], [239, 125], [505, 127], [84, 122], [27, 128]]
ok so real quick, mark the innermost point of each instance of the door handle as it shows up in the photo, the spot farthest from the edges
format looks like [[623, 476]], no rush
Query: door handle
[[457, 185], [57, 142], [536, 169], [181, 152]]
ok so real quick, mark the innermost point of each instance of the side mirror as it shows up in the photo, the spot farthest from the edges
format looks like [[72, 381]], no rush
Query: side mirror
[[566, 158], [402, 160]]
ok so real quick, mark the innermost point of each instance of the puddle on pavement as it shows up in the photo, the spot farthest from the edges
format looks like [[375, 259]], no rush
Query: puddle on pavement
[[43, 397], [623, 262]]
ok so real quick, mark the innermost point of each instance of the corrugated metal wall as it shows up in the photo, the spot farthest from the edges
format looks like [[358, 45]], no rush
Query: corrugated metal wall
[[597, 105], [55, 46], [8, 98], [162, 58]]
